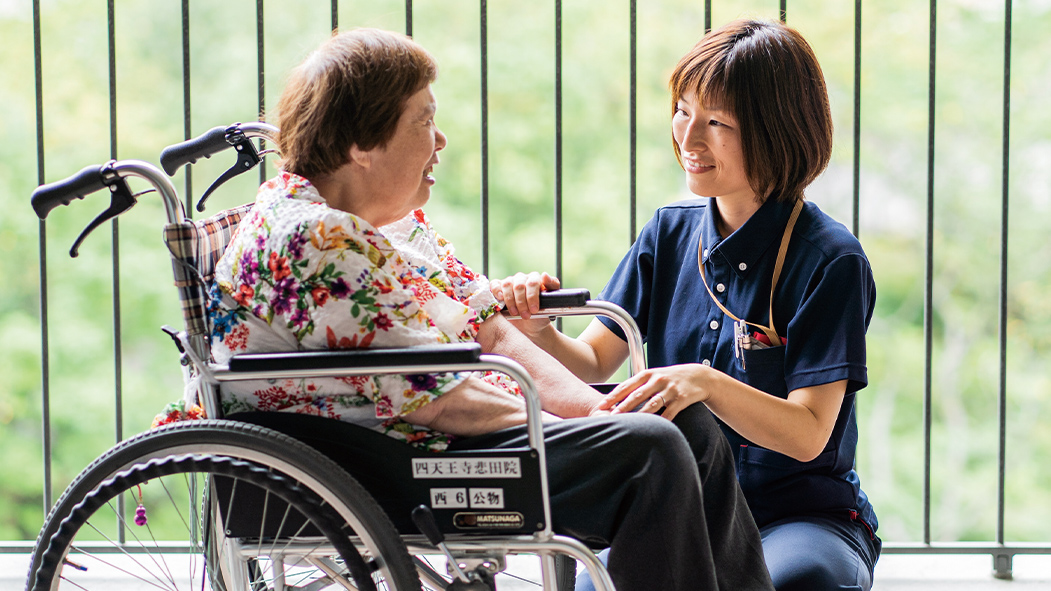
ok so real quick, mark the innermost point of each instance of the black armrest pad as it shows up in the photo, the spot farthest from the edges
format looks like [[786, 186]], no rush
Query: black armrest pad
[[564, 298], [457, 353]]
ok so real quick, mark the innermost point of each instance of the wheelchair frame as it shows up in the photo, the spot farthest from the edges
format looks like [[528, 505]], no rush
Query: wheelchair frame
[[193, 343]]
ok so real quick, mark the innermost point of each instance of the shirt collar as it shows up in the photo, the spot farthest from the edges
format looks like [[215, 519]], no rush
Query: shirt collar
[[747, 244], [291, 185]]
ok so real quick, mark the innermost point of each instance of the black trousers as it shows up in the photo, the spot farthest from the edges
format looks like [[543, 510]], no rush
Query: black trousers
[[663, 497]]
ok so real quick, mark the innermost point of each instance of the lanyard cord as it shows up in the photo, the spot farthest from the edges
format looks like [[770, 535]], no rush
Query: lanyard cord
[[770, 331]]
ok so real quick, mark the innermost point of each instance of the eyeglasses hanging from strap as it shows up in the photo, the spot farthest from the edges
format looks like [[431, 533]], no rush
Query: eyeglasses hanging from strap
[[740, 333]]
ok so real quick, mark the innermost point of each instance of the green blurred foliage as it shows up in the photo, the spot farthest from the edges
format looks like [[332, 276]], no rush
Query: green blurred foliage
[[83, 367]]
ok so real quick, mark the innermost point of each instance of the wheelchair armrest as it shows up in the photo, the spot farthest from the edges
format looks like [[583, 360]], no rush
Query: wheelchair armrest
[[578, 302], [564, 298], [451, 354]]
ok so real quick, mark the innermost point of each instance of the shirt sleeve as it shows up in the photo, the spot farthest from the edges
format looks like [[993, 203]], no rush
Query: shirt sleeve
[[471, 289], [455, 278], [631, 285], [826, 337]]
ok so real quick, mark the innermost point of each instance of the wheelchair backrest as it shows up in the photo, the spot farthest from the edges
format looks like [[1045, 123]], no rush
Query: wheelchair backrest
[[196, 247]]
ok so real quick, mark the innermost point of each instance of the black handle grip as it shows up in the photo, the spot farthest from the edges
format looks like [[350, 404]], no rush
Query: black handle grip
[[208, 143], [564, 298], [49, 196], [424, 520]]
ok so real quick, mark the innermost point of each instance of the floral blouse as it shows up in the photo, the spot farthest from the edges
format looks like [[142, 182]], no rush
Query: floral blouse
[[301, 275]]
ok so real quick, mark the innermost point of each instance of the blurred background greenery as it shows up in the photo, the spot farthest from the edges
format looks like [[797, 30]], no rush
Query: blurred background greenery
[[81, 313]]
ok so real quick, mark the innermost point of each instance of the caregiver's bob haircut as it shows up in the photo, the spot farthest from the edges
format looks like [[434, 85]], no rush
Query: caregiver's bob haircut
[[768, 77]]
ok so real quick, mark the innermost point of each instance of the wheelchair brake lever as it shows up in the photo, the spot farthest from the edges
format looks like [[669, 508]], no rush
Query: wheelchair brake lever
[[424, 520], [247, 158], [121, 200]]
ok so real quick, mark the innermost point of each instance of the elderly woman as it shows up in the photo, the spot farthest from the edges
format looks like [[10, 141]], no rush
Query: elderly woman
[[754, 303], [337, 254]]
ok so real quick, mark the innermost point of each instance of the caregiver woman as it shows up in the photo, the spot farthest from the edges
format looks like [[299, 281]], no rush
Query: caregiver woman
[[752, 300]]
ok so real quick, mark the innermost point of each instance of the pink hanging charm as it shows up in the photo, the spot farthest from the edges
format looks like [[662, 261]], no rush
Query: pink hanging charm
[[140, 511]]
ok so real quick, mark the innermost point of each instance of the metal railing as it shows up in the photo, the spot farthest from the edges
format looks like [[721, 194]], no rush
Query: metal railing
[[1000, 549]]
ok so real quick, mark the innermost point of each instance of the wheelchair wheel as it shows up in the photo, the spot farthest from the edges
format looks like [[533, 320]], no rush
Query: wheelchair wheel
[[227, 506], [566, 569]]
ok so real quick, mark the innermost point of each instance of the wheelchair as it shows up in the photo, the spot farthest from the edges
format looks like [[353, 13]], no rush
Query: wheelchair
[[276, 501]]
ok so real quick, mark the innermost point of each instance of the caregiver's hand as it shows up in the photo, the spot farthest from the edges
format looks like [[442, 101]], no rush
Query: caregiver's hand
[[671, 388]]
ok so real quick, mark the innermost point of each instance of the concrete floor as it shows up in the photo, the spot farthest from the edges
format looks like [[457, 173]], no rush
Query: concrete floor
[[897, 572], [893, 573]]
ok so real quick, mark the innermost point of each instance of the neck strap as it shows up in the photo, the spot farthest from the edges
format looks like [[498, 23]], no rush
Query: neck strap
[[770, 331]]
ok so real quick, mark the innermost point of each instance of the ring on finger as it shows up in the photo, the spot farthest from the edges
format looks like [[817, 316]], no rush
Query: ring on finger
[[663, 403]]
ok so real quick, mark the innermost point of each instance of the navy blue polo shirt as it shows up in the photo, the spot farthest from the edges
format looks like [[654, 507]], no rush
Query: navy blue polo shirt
[[822, 306]]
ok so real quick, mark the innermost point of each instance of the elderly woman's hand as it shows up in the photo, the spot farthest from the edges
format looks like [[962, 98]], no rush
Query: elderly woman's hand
[[520, 293]]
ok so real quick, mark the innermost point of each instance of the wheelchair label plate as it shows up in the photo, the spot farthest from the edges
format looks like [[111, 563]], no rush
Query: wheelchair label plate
[[494, 467], [462, 498], [501, 520]]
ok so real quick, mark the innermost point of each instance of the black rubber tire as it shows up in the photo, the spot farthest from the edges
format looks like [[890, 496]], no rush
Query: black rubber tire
[[328, 495], [565, 572]]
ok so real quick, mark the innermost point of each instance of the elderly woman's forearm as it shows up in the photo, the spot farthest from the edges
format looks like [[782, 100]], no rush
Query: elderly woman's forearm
[[471, 408], [561, 392]]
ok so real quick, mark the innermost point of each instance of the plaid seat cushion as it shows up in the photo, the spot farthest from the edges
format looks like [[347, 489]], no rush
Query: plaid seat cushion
[[196, 247]]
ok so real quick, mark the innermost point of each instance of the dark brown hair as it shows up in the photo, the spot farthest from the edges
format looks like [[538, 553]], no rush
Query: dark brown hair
[[767, 75], [350, 91]]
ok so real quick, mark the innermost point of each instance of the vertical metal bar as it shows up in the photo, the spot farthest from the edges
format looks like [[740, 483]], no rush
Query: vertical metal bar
[[335, 15], [118, 397], [784, 11], [558, 138], [261, 63], [1003, 271], [928, 299], [186, 130], [111, 21], [45, 348], [117, 365], [484, 41], [707, 15], [857, 119], [633, 122], [408, 17]]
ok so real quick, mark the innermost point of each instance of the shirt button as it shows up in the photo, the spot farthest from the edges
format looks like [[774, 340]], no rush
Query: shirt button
[[720, 288], [706, 362], [705, 253], [714, 324], [742, 266]]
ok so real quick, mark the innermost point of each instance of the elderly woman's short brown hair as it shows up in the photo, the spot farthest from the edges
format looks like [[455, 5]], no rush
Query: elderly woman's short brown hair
[[767, 75], [350, 91]]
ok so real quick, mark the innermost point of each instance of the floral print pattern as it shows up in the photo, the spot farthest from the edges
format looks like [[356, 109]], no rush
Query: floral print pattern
[[300, 275]]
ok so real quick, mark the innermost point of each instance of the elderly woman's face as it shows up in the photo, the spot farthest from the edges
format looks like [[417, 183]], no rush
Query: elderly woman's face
[[403, 167]]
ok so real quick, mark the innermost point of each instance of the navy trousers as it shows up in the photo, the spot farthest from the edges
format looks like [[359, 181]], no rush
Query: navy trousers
[[820, 553], [804, 553]]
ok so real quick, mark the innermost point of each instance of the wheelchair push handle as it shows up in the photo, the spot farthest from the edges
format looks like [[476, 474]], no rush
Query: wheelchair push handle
[[63, 192], [215, 140], [111, 175], [187, 152]]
